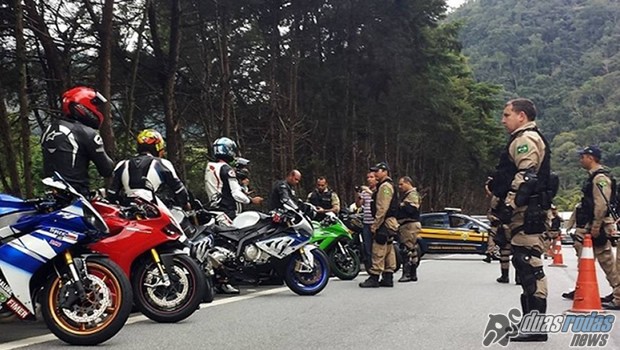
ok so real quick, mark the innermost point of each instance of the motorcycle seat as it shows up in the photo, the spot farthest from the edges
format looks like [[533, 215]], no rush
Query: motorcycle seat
[[233, 233]]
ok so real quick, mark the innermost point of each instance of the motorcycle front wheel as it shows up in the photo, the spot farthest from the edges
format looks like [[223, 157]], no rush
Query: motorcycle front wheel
[[169, 303], [99, 316], [345, 266], [309, 282]]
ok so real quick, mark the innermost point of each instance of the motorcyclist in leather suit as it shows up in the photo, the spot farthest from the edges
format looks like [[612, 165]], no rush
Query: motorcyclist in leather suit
[[148, 170], [71, 142]]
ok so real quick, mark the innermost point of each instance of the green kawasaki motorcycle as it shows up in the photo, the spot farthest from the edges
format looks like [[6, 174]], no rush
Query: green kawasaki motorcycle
[[333, 237]]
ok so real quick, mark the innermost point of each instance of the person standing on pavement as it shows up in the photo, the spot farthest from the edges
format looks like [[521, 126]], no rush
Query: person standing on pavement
[[384, 228], [366, 195], [520, 185], [409, 220], [324, 199], [593, 217]]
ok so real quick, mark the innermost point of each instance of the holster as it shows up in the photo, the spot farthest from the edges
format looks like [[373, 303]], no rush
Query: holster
[[535, 217], [384, 235]]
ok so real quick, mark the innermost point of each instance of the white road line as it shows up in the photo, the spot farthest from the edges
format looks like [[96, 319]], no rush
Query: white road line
[[133, 319]]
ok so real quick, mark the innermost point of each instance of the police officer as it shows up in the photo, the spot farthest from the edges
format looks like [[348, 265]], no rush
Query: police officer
[[500, 236], [521, 185], [384, 228], [71, 142], [592, 216], [324, 199], [283, 191], [409, 220], [148, 170], [221, 183]]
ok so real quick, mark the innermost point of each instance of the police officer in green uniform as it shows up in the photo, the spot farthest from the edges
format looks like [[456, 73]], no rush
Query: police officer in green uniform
[[409, 220], [522, 184], [324, 199], [592, 216], [384, 207]]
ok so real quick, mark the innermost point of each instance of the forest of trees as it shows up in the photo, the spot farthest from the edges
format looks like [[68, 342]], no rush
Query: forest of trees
[[563, 54], [326, 86]]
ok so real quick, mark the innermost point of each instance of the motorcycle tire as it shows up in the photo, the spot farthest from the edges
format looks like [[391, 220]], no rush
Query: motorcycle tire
[[96, 319], [173, 303], [309, 283], [344, 266]]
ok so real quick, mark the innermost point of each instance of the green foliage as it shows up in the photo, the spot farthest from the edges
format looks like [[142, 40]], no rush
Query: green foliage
[[563, 54]]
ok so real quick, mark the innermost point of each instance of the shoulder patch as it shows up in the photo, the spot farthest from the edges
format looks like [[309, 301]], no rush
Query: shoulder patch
[[522, 149], [387, 190], [602, 183], [232, 173]]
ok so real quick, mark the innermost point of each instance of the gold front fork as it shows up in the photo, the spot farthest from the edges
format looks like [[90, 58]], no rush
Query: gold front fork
[[163, 273]]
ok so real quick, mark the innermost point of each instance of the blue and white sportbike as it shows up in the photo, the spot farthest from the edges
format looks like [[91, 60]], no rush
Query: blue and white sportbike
[[257, 245], [84, 297]]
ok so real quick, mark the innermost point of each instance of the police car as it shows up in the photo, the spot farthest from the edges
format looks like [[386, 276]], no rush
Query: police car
[[449, 231]]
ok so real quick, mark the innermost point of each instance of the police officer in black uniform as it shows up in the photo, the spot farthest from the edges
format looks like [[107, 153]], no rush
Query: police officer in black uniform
[[71, 142], [147, 170], [324, 199]]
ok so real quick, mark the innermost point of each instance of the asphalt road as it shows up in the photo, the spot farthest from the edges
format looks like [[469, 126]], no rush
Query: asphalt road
[[447, 309]]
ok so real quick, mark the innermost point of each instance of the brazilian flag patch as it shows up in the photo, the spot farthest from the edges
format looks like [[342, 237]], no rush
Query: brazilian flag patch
[[522, 149], [602, 183]]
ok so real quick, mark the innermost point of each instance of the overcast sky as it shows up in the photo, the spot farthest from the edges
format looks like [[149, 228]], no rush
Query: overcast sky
[[455, 3]]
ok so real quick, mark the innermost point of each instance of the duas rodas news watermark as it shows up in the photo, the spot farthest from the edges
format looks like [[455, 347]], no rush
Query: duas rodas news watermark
[[588, 330]]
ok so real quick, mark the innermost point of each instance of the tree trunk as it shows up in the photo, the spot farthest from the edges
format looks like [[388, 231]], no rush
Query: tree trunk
[[59, 79], [105, 75], [167, 79], [9, 150], [23, 98], [222, 36]]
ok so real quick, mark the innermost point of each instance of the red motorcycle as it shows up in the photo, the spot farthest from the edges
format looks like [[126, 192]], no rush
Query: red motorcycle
[[147, 243]]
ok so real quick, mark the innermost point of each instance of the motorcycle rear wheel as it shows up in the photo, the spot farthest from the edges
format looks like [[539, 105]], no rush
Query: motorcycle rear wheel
[[309, 283], [173, 303], [100, 316], [344, 266]]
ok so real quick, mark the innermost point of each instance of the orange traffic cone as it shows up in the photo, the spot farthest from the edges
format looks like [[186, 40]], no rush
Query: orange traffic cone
[[549, 252], [587, 297], [558, 259]]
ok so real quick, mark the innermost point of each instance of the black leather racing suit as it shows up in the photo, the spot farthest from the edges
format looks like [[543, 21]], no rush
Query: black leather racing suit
[[282, 193], [134, 173], [68, 147]]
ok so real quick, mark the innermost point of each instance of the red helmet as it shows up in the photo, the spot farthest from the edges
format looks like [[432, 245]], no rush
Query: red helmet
[[83, 104]]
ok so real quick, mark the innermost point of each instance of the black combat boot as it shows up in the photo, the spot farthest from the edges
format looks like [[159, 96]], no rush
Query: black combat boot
[[608, 298], [539, 305], [488, 259], [387, 280], [504, 277], [569, 295], [406, 277], [371, 282], [413, 272]]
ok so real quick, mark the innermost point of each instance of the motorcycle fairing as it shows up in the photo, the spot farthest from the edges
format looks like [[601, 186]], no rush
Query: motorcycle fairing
[[281, 247]]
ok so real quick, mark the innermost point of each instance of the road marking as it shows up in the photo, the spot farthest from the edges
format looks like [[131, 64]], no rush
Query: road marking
[[138, 318]]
